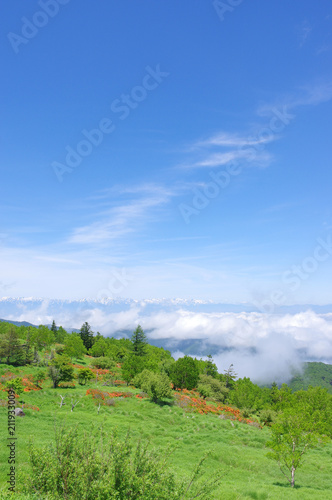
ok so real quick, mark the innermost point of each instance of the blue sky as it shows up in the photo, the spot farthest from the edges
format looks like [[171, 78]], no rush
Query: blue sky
[[158, 149]]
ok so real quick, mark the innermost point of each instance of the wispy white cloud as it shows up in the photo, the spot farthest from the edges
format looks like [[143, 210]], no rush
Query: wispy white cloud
[[307, 95], [261, 158], [304, 32], [224, 148], [224, 139], [127, 217]]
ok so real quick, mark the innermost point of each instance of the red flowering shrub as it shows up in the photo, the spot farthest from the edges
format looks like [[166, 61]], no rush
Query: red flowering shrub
[[104, 396], [196, 404], [28, 384]]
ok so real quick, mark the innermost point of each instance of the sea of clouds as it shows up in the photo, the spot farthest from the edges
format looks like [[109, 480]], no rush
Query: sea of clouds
[[264, 347]]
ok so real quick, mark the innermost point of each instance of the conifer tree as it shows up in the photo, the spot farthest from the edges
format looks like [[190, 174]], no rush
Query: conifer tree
[[139, 341], [86, 335]]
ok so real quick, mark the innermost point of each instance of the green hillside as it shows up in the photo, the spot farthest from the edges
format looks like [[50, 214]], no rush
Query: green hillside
[[238, 450], [315, 374], [88, 382]]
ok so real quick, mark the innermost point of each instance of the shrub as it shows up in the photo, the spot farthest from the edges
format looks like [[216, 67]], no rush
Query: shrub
[[204, 390], [101, 466], [142, 378], [246, 412], [84, 374], [267, 417], [60, 370], [39, 377], [156, 385], [103, 363], [212, 387], [16, 384]]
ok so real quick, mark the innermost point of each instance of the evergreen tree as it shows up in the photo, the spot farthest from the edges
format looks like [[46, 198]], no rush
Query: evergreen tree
[[86, 335], [139, 341], [230, 377], [54, 328]]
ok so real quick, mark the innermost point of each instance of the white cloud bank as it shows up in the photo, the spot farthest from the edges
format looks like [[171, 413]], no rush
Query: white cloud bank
[[260, 346]]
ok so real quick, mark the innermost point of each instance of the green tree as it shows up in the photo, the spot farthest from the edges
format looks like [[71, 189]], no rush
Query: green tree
[[60, 370], [210, 367], [139, 341], [132, 366], [40, 338], [86, 335], [184, 373], [11, 348], [292, 435], [281, 398], [74, 347], [84, 374], [54, 328], [99, 348], [246, 394], [230, 377], [61, 335]]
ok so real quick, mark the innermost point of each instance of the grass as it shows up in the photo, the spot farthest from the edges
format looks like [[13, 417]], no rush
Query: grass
[[238, 451]]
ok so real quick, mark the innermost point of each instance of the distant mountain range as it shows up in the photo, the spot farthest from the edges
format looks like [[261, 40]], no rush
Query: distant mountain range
[[9, 305]]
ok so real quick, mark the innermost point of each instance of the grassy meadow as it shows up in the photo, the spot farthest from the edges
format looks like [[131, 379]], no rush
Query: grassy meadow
[[237, 449]]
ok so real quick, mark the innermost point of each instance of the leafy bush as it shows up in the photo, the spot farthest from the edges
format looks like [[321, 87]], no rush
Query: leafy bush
[[205, 390], [60, 370], [16, 384], [39, 377], [84, 374], [267, 417], [246, 412], [103, 363], [142, 378], [156, 385], [102, 467], [211, 387]]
